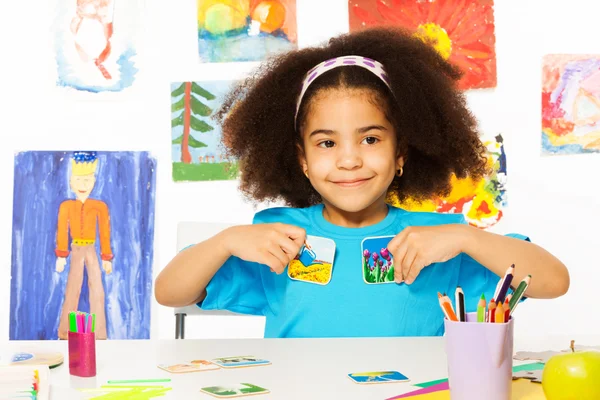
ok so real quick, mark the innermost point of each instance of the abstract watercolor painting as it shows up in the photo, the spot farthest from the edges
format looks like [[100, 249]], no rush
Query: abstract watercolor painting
[[83, 233], [198, 154], [570, 104], [482, 201], [245, 30], [95, 44], [462, 32]]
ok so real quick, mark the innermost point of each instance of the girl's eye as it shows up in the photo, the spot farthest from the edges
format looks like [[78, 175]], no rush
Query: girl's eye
[[370, 140], [326, 143]]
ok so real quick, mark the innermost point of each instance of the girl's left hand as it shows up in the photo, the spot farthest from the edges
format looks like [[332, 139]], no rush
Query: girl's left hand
[[416, 247]]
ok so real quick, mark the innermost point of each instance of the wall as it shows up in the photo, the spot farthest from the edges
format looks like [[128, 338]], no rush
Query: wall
[[555, 200]]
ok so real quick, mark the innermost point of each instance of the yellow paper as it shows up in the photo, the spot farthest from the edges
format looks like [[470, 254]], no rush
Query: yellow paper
[[522, 389]]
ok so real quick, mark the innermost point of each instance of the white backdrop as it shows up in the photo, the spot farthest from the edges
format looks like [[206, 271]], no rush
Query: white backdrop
[[555, 200]]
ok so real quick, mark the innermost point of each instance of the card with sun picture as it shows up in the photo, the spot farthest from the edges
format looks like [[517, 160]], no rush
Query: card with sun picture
[[314, 262], [377, 261]]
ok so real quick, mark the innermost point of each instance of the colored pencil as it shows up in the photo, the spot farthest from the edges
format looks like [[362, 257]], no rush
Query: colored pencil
[[459, 297], [499, 314], [519, 293], [492, 311], [89, 324], [446, 306], [481, 309], [93, 322], [506, 310], [506, 281]]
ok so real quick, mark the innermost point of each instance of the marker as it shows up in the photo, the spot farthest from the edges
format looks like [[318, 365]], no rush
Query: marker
[[459, 297]]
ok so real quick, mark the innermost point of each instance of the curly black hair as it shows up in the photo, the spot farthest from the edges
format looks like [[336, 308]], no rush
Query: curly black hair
[[437, 134]]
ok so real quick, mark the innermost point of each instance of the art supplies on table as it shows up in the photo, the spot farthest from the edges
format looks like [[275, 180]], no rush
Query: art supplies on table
[[377, 377], [235, 390], [25, 382], [499, 309], [240, 362], [482, 350], [82, 344], [193, 366]]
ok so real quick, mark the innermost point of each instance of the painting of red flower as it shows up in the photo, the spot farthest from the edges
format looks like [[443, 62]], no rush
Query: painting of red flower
[[462, 31]]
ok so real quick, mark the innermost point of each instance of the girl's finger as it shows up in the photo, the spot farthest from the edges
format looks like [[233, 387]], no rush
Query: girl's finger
[[415, 270], [408, 260]]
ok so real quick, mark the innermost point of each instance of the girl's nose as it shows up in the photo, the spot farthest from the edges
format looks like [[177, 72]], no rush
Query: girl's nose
[[349, 158]]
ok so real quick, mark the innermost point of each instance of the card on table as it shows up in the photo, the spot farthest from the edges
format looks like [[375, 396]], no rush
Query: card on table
[[314, 262], [377, 261], [240, 361], [378, 377], [236, 390], [193, 366]]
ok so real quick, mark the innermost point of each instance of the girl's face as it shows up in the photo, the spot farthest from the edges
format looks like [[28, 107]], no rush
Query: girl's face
[[350, 149]]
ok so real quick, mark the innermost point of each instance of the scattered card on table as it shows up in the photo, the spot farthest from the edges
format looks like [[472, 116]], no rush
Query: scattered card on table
[[238, 390], [240, 361], [194, 366], [378, 377], [377, 261], [314, 262]]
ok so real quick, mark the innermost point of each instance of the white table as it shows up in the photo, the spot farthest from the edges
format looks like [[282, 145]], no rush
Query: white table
[[301, 368]]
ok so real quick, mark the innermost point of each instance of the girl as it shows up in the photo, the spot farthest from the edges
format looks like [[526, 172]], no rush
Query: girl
[[334, 131]]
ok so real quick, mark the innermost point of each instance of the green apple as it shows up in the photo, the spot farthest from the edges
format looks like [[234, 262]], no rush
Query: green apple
[[572, 376]]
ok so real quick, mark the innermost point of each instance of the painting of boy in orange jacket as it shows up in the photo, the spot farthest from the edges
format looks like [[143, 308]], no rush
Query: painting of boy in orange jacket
[[79, 220]]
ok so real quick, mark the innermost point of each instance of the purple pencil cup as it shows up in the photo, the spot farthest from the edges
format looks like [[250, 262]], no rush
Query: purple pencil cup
[[82, 354], [480, 358]]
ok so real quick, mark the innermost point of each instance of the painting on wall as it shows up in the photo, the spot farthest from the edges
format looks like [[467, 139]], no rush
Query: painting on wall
[[83, 232], [570, 104], [462, 32], [481, 202], [198, 154], [245, 30], [94, 44]]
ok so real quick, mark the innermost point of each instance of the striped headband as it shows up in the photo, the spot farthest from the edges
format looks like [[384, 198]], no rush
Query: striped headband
[[370, 65]]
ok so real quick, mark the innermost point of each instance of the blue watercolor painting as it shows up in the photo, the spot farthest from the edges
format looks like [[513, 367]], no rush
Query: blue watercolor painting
[[83, 234], [95, 44], [196, 139], [245, 30]]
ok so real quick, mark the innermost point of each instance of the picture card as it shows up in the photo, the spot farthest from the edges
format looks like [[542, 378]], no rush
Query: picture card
[[240, 361], [193, 366], [235, 390], [378, 377], [377, 261], [314, 262]]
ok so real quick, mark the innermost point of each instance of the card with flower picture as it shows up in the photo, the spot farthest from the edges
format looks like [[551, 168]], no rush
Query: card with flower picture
[[314, 262], [377, 261]]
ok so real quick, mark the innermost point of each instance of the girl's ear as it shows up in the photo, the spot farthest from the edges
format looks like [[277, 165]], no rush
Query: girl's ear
[[302, 159]]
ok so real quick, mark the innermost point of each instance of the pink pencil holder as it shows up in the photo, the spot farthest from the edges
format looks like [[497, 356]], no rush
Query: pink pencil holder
[[479, 359], [82, 354]]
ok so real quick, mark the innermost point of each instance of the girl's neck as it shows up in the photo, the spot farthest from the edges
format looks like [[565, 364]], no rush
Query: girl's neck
[[371, 215]]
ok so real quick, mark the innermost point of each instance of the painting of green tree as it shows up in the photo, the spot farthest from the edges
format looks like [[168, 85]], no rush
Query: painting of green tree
[[196, 148]]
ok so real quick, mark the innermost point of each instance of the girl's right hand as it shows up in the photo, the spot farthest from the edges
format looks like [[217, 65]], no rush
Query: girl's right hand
[[274, 245]]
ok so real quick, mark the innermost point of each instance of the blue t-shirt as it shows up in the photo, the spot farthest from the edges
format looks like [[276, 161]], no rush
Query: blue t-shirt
[[347, 306]]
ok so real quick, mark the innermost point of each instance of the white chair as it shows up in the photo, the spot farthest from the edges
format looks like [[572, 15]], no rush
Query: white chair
[[233, 325]]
